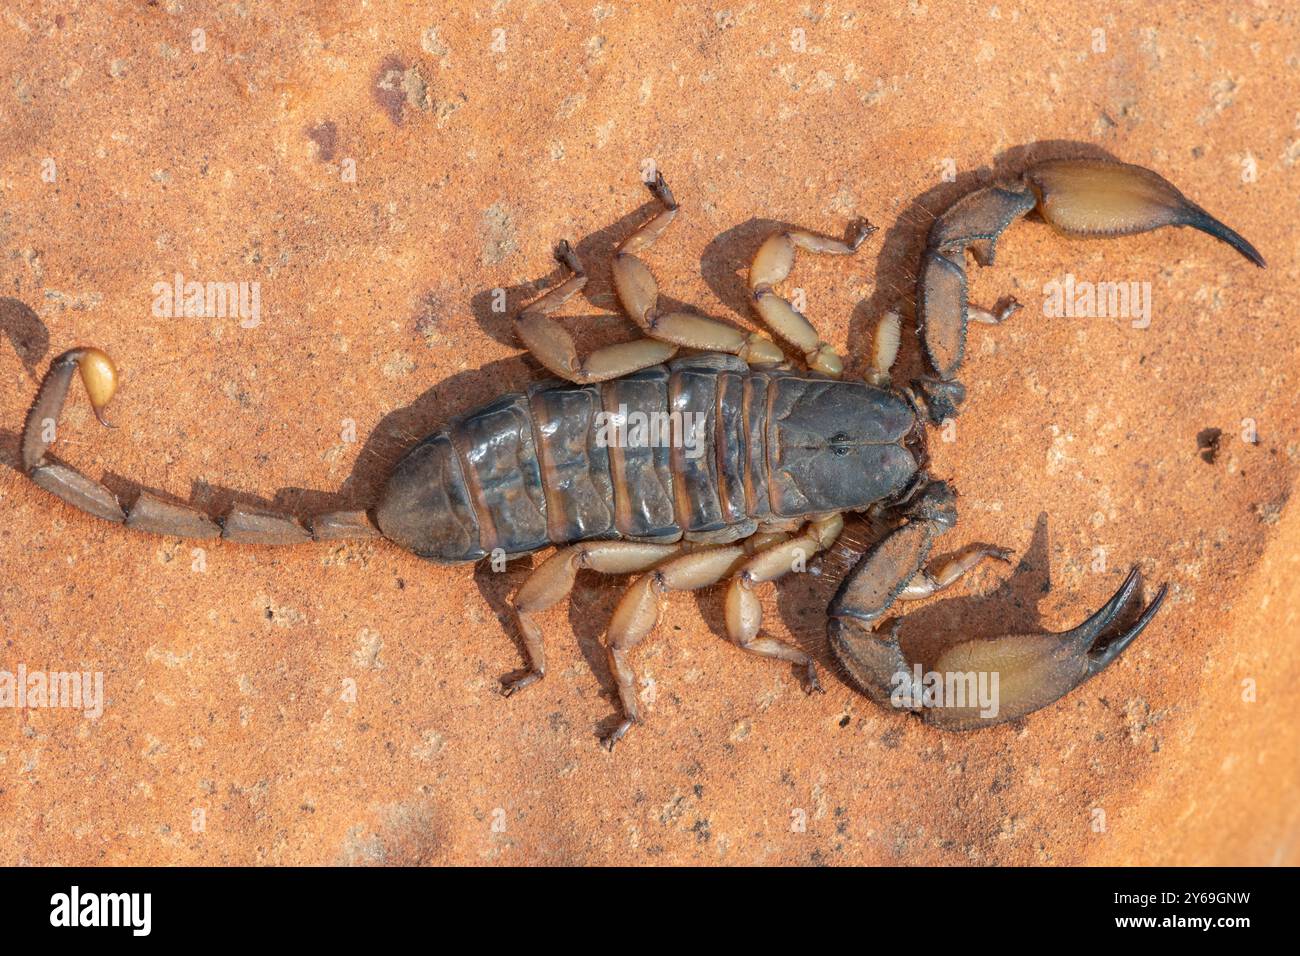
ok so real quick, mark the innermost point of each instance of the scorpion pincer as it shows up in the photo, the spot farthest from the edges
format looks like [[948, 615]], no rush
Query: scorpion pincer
[[781, 456]]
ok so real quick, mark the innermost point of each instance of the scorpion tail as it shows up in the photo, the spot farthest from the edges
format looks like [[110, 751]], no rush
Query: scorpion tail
[[1077, 197], [149, 512]]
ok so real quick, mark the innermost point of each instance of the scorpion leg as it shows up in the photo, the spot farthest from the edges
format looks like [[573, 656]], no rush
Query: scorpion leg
[[638, 292], [745, 613], [884, 348], [638, 612], [553, 346], [942, 575], [772, 264], [552, 581], [1077, 197]]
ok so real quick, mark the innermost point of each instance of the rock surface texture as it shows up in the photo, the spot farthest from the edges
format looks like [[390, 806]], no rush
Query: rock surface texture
[[392, 182]]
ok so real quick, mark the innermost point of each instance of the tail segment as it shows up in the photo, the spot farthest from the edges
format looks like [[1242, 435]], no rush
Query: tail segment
[[149, 512]]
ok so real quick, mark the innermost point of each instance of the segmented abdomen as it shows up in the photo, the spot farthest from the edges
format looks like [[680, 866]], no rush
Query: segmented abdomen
[[702, 447]]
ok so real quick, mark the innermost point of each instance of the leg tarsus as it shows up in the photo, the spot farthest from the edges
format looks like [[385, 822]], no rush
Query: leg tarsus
[[1003, 310]]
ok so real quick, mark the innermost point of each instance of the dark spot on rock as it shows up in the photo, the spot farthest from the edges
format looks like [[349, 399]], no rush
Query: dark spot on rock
[[325, 136], [428, 316], [892, 737], [1207, 443], [388, 88], [844, 721], [701, 831]]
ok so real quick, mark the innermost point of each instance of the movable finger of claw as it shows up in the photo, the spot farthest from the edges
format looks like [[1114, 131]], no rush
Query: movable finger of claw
[[1094, 197], [1101, 654]]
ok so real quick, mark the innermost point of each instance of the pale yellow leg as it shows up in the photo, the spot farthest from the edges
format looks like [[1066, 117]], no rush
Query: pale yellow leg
[[553, 346], [744, 610], [884, 348], [638, 292], [638, 612], [552, 581], [934, 579], [772, 264]]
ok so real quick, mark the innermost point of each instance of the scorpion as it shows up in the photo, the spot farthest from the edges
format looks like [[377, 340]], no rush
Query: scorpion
[[782, 456]]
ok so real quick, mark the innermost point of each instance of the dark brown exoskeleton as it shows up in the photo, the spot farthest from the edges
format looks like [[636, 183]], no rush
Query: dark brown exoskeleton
[[725, 464]]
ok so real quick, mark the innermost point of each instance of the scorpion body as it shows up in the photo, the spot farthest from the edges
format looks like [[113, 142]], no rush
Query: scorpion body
[[735, 447], [755, 467]]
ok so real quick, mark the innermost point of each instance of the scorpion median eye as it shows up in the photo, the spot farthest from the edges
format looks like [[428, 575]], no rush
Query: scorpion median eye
[[839, 443]]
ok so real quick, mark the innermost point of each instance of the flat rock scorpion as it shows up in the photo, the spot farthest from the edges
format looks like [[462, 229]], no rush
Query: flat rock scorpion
[[779, 457]]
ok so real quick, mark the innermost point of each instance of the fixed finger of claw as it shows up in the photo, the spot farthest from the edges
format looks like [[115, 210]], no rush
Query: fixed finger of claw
[[1094, 197], [1102, 653]]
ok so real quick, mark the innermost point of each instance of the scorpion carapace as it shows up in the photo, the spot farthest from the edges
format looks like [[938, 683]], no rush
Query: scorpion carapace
[[749, 473]]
